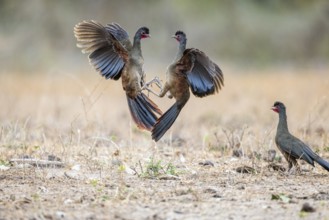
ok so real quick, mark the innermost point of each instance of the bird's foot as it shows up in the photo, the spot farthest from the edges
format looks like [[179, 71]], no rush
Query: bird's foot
[[155, 81], [294, 171], [298, 171], [291, 172], [150, 91], [169, 95]]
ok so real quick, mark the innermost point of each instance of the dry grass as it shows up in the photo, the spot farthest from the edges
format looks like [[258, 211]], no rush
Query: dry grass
[[84, 121]]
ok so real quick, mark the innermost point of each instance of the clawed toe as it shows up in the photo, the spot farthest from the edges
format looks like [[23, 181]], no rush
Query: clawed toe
[[155, 81]]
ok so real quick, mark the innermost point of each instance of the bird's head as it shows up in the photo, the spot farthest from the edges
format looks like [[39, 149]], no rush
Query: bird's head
[[179, 36], [143, 32], [278, 107]]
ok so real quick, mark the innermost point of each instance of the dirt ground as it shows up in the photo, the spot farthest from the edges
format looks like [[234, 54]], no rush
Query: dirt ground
[[111, 170], [200, 192]]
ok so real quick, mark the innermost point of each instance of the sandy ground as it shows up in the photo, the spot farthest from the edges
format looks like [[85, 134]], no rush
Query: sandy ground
[[209, 192], [84, 123]]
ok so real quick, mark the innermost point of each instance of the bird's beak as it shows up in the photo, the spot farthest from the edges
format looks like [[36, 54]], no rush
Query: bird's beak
[[174, 36], [275, 109], [146, 36]]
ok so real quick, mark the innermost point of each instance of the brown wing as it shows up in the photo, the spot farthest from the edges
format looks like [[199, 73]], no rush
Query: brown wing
[[106, 53], [120, 35], [204, 76]]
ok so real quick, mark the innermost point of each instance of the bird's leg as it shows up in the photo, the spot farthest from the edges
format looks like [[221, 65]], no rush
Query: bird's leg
[[289, 171], [293, 163], [162, 93], [164, 90], [150, 91], [157, 81], [298, 170], [289, 160]]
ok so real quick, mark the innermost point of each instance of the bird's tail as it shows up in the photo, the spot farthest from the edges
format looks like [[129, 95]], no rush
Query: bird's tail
[[143, 111], [165, 122], [323, 163]]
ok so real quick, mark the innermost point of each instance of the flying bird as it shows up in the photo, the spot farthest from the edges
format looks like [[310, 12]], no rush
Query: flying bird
[[113, 55], [291, 147], [191, 70]]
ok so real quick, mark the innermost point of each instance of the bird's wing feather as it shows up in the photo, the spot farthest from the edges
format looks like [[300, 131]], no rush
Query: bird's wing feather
[[204, 76], [120, 39], [297, 149], [104, 54], [308, 154]]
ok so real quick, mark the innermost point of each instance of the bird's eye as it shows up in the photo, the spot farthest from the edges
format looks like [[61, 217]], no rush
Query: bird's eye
[[143, 32]]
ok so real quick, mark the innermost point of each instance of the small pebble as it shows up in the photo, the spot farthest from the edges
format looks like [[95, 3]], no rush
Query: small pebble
[[237, 153], [307, 208], [245, 169], [207, 163], [60, 215]]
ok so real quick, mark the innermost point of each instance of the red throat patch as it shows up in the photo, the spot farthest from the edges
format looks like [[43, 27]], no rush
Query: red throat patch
[[145, 36], [276, 109]]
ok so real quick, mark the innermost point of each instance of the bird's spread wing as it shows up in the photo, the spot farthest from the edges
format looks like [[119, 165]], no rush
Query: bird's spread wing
[[120, 39], [106, 53], [204, 76], [118, 33]]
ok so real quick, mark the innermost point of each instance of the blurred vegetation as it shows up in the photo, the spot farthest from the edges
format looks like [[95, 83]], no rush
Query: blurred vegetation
[[37, 35]]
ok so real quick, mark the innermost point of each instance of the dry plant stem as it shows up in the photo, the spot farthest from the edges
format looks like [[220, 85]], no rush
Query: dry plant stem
[[141, 166], [85, 108], [38, 163], [130, 133], [229, 138]]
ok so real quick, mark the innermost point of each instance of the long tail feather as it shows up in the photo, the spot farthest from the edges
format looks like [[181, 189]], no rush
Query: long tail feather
[[323, 163], [142, 110], [310, 156], [165, 122]]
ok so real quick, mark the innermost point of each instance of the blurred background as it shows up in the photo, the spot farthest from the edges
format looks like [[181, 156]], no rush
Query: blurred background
[[37, 35], [53, 103], [268, 50]]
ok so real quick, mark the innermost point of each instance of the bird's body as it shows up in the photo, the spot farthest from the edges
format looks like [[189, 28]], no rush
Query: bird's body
[[133, 77], [291, 147], [191, 69], [176, 84], [114, 56]]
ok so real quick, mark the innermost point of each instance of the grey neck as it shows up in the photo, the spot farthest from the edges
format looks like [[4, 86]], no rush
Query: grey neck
[[137, 45], [283, 125], [181, 48]]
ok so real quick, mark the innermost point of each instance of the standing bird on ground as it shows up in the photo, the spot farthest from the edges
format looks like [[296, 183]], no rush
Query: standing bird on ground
[[291, 147], [191, 69], [112, 54]]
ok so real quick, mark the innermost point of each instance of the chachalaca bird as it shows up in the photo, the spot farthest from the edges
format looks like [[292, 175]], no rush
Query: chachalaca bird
[[191, 69], [113, 56], [291, 147]]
